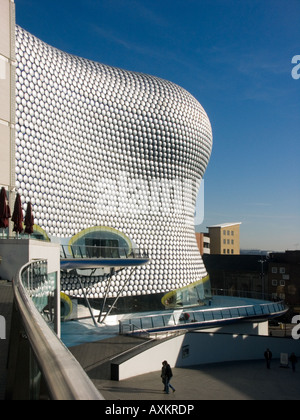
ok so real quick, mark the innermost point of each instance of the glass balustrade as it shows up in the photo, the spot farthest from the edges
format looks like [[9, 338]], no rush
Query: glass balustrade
[[41, 287], [189, 319], [111, 252]]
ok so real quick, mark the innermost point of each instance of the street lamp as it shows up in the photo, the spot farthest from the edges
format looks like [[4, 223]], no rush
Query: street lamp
[[262, 274]]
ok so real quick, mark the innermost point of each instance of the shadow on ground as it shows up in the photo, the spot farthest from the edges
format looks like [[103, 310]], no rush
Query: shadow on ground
[[226, 381]]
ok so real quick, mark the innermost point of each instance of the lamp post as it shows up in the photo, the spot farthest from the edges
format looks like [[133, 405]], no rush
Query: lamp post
[[262, 274]]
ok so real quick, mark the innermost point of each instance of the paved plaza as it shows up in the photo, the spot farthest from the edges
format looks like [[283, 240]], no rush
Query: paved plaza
[[225, 381]]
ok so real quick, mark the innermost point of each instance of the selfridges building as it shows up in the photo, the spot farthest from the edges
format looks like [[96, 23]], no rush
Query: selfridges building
[[101, 149]]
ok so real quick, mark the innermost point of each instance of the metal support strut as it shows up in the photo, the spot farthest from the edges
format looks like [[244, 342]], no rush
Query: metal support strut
[[117, 298]]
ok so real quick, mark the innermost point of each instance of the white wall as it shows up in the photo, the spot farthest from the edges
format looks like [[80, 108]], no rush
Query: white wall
[[250, 328], [17, 252], [7, 93], [151, 360], [205, 348], [212, 348], [5, 6], [2, 328]]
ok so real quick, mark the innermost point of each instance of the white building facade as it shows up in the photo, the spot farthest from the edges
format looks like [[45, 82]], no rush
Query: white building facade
[[98, 147], [7, 95]]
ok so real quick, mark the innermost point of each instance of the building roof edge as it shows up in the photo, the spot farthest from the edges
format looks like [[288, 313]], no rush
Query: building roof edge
[[222, 225]]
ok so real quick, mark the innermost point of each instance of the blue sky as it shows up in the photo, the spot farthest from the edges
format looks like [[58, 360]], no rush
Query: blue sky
[[235, 57]]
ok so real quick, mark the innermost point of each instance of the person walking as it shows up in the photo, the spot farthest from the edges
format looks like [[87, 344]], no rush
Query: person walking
[[268, 357], [294, 361], [167, 375]]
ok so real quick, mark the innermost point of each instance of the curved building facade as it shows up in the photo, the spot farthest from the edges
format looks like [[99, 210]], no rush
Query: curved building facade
[[100, 146]]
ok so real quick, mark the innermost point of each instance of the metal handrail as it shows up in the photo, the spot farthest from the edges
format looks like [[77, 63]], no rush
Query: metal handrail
[[132, 328], [64, 376], [210, 314]]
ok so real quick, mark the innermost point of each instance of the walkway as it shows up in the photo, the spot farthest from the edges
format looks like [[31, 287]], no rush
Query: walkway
[[222, 310], [6, 299], [225, 381], [95, 357]]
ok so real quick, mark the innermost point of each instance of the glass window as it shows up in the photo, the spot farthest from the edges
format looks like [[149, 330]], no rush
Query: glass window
[[105, 248], [282, 282], [192, 295], [100, 242]]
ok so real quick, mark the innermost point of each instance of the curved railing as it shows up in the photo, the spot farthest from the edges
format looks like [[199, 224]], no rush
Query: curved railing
[[83, 251], [203, 318], [63, 376]]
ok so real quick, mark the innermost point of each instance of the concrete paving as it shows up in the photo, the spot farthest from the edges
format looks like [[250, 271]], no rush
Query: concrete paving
[[225, 381]]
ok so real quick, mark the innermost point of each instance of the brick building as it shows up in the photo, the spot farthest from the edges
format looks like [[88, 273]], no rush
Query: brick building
[[284, 277], [225, 239]]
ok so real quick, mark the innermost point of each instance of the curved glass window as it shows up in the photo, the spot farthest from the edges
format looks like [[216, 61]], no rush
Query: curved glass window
[[38, 233], [195, 294], [100, 242]]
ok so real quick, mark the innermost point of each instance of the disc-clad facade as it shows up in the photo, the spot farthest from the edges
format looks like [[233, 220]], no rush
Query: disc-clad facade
[[100, 146]]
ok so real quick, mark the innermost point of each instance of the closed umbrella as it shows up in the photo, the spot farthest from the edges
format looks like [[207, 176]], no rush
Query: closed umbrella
[[29, 220], [17, 216], [4, 210]]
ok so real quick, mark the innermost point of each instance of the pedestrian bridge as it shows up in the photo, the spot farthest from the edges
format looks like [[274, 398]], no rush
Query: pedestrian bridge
[[244, 310]]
